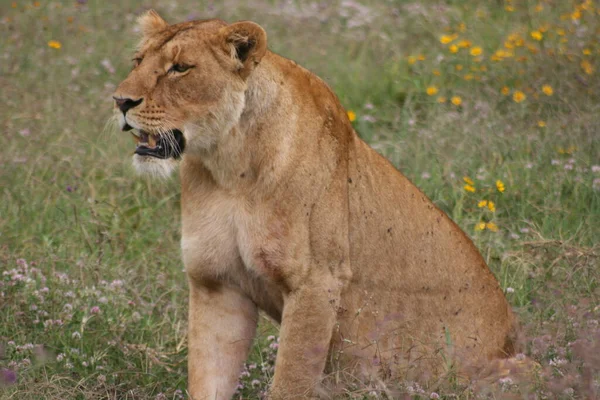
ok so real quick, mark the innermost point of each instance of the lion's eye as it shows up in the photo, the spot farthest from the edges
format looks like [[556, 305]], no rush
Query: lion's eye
[[179, 68], [137, 61]]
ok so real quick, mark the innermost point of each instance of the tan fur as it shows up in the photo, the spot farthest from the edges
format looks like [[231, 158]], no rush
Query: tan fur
[[286, 210]]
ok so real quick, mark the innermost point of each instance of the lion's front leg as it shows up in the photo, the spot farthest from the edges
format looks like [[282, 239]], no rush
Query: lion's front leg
[[307, 325], [222, 324]]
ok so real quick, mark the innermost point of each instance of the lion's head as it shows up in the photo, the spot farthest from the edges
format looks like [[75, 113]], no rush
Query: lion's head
[[186, 88]]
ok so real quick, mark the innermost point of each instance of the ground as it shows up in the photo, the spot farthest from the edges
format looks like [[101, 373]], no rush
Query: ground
[[490, 107]]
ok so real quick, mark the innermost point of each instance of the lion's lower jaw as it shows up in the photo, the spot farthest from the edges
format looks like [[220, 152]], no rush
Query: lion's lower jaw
[[154, 167]]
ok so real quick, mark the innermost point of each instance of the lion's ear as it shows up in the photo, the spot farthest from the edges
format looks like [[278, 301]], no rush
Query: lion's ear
[[150, 23], [246, 42]]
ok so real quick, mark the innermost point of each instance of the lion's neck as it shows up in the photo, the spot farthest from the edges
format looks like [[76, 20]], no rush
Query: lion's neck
[[260, 142]]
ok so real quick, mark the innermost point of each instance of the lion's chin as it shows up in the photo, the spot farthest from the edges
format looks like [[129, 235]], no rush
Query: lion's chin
[[154, 167]]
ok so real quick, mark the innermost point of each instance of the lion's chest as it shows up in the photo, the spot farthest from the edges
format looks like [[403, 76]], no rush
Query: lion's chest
[[223, 240], [208, 244]]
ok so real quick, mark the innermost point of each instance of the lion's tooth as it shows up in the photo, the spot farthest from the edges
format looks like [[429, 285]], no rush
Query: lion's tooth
[[152, 140]]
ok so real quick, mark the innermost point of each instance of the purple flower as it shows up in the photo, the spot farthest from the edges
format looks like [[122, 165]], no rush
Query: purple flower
[[108, 65], [95, 310], [7, 377]]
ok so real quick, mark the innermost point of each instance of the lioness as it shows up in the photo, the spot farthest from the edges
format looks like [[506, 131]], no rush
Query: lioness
[[286, 210]]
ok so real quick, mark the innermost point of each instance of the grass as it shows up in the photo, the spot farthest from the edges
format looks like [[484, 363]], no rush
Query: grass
[[93, 299]]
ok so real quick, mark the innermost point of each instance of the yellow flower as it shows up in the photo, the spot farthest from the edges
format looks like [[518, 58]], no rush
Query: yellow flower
[[537, 35], [586, 66], [501, 53], [469, 188], [547, 89], [492, 226], [586, 52], [482, 203], [441, 99], [412, 60], [500, 186], [468, 77], [509, 8], [54, 44], [541, 124], [480, 226], [453, 48], [491, 206], [568, 150], [351, 115], [576, 15], [436, 72], [445, 39], [505, 90], [519, 96], [468, 180], [459, 67], [462, 27], [421, 57], [456, 100], [539, 8], [475, 51], [464, 44], [432, 90], [560, 32]]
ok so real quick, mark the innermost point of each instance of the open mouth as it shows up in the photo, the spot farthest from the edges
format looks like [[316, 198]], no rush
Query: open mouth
[[166, 145]]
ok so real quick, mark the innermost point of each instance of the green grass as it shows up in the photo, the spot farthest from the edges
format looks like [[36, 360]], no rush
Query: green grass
[[75, 219]]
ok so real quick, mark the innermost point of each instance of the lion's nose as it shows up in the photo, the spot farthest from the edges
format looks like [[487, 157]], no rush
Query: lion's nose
[[127, 104]]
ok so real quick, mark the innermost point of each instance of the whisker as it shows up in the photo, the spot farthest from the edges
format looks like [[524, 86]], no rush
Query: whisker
[[112, 124]]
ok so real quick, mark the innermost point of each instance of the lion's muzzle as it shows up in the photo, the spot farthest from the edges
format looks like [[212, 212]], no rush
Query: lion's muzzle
[[166, 145]]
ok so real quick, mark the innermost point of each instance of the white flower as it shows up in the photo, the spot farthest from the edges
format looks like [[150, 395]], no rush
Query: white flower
[[136, 317]]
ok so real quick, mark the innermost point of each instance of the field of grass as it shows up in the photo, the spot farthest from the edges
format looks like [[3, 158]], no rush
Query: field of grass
[[492, 108]]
